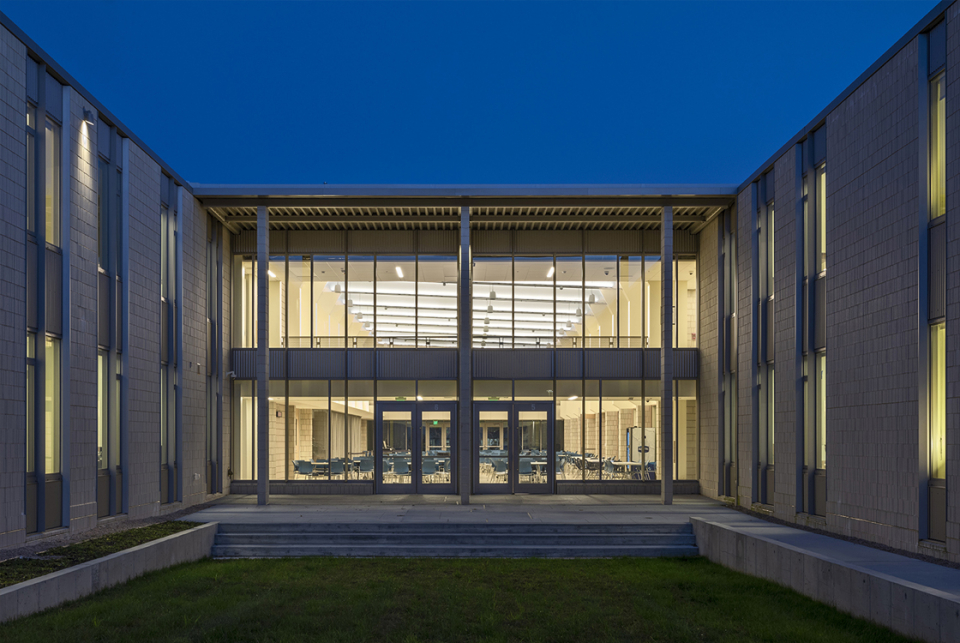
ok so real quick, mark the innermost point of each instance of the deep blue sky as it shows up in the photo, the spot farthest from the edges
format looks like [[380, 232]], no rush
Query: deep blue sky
[[462, 92]]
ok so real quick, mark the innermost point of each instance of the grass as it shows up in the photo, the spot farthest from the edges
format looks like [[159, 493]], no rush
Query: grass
[[410, 600], [18, 570]]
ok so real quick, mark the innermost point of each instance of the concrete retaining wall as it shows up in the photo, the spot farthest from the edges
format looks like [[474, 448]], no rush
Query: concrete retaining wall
[[905, 607], [82, 580]]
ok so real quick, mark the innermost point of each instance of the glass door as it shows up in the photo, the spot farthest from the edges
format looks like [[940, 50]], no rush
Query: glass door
[[491, 448], [437, 440], [533, 424], [416, 447], [513, 447]]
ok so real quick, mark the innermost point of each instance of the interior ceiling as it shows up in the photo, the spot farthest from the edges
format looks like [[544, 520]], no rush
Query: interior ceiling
[[532, 217]]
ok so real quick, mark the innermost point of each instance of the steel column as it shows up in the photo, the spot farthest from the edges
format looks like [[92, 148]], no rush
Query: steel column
[[263, 357], [666, 357], [465, 362]]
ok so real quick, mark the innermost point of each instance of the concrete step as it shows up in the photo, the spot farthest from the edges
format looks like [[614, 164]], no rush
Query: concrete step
[[452, 551], [468, 539], [452, 540], [458, 528]]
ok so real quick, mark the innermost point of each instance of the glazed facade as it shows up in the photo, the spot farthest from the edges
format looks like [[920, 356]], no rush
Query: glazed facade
[[166, 342]]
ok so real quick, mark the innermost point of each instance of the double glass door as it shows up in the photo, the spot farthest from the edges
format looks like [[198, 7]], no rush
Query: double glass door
[[513, 447], [416, 447]]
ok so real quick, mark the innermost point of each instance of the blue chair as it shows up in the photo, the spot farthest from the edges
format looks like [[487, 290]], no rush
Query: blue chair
[[366, 467], [499, 468], [306, 468], [429, 470], [336, 468], [526, 469], [401, 468], [609, 471]]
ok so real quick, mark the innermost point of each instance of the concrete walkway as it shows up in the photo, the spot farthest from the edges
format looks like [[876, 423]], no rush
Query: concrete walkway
[[447, 509]]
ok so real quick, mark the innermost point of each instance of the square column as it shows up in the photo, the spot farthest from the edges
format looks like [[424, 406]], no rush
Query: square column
[[465, 330], [263, 356], [666, 356]]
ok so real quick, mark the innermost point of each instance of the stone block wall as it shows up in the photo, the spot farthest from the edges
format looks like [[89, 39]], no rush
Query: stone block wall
[[13, 280], [709, 392]]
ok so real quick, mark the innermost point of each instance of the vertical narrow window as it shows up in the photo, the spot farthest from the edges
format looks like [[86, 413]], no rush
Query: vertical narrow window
[[771, 422], [52, 405], [52, 180], [771, 289], [31, 169], [821, 451], [103, 408], [685, 304], [806, 226], [631, 301], [938, 176], [600, 313], [937, 391], [103, 199], [277, 293], [31, 401], [164, 249], [822, 218], [163, 415]]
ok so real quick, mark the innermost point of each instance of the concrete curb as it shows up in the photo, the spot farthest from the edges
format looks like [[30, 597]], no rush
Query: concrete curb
[[914, 610], [44, 592]]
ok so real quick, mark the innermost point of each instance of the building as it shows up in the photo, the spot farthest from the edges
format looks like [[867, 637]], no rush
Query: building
[[164, 342]]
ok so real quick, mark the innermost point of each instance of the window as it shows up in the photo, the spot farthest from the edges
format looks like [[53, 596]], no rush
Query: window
[[533, 302], [360, 298], [277, 292], [937, 411], [52, 180], [31, 401], [52, 405], [103, 199], [685, 304], [436, 301], [938, 180], [31, 169], [569, 297], [821, 443], [103, 409], [631, 302], [822, 217], [395, 314], [329, 301], [493, 302], [771, 287], [600, 291], [771, 421]]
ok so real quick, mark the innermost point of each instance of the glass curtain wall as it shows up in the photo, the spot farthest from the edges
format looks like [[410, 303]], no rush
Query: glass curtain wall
[[597, 302], [335, 301], [617, 422], [324, 429]]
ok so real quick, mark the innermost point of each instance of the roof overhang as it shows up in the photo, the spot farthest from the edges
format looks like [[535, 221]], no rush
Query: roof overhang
[[311, 207]]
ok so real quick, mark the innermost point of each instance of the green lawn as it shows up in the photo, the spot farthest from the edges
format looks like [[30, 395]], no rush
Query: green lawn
[[17, 570], [323, 599]]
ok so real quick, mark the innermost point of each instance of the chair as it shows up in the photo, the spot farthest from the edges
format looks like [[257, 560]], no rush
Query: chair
[[499, 467], [401, 468], [306, 468], [366, 467], [526, 469], [609, 470], [336, 468], [429, 470]]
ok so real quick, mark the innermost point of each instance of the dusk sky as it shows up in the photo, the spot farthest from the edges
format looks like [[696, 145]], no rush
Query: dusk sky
[[462, 92]]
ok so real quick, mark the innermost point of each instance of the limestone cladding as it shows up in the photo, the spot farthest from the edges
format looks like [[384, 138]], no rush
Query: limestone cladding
[[13, 280], [709, 394]]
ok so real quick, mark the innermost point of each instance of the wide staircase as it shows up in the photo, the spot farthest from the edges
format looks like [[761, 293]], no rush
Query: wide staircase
[[447, 540]]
